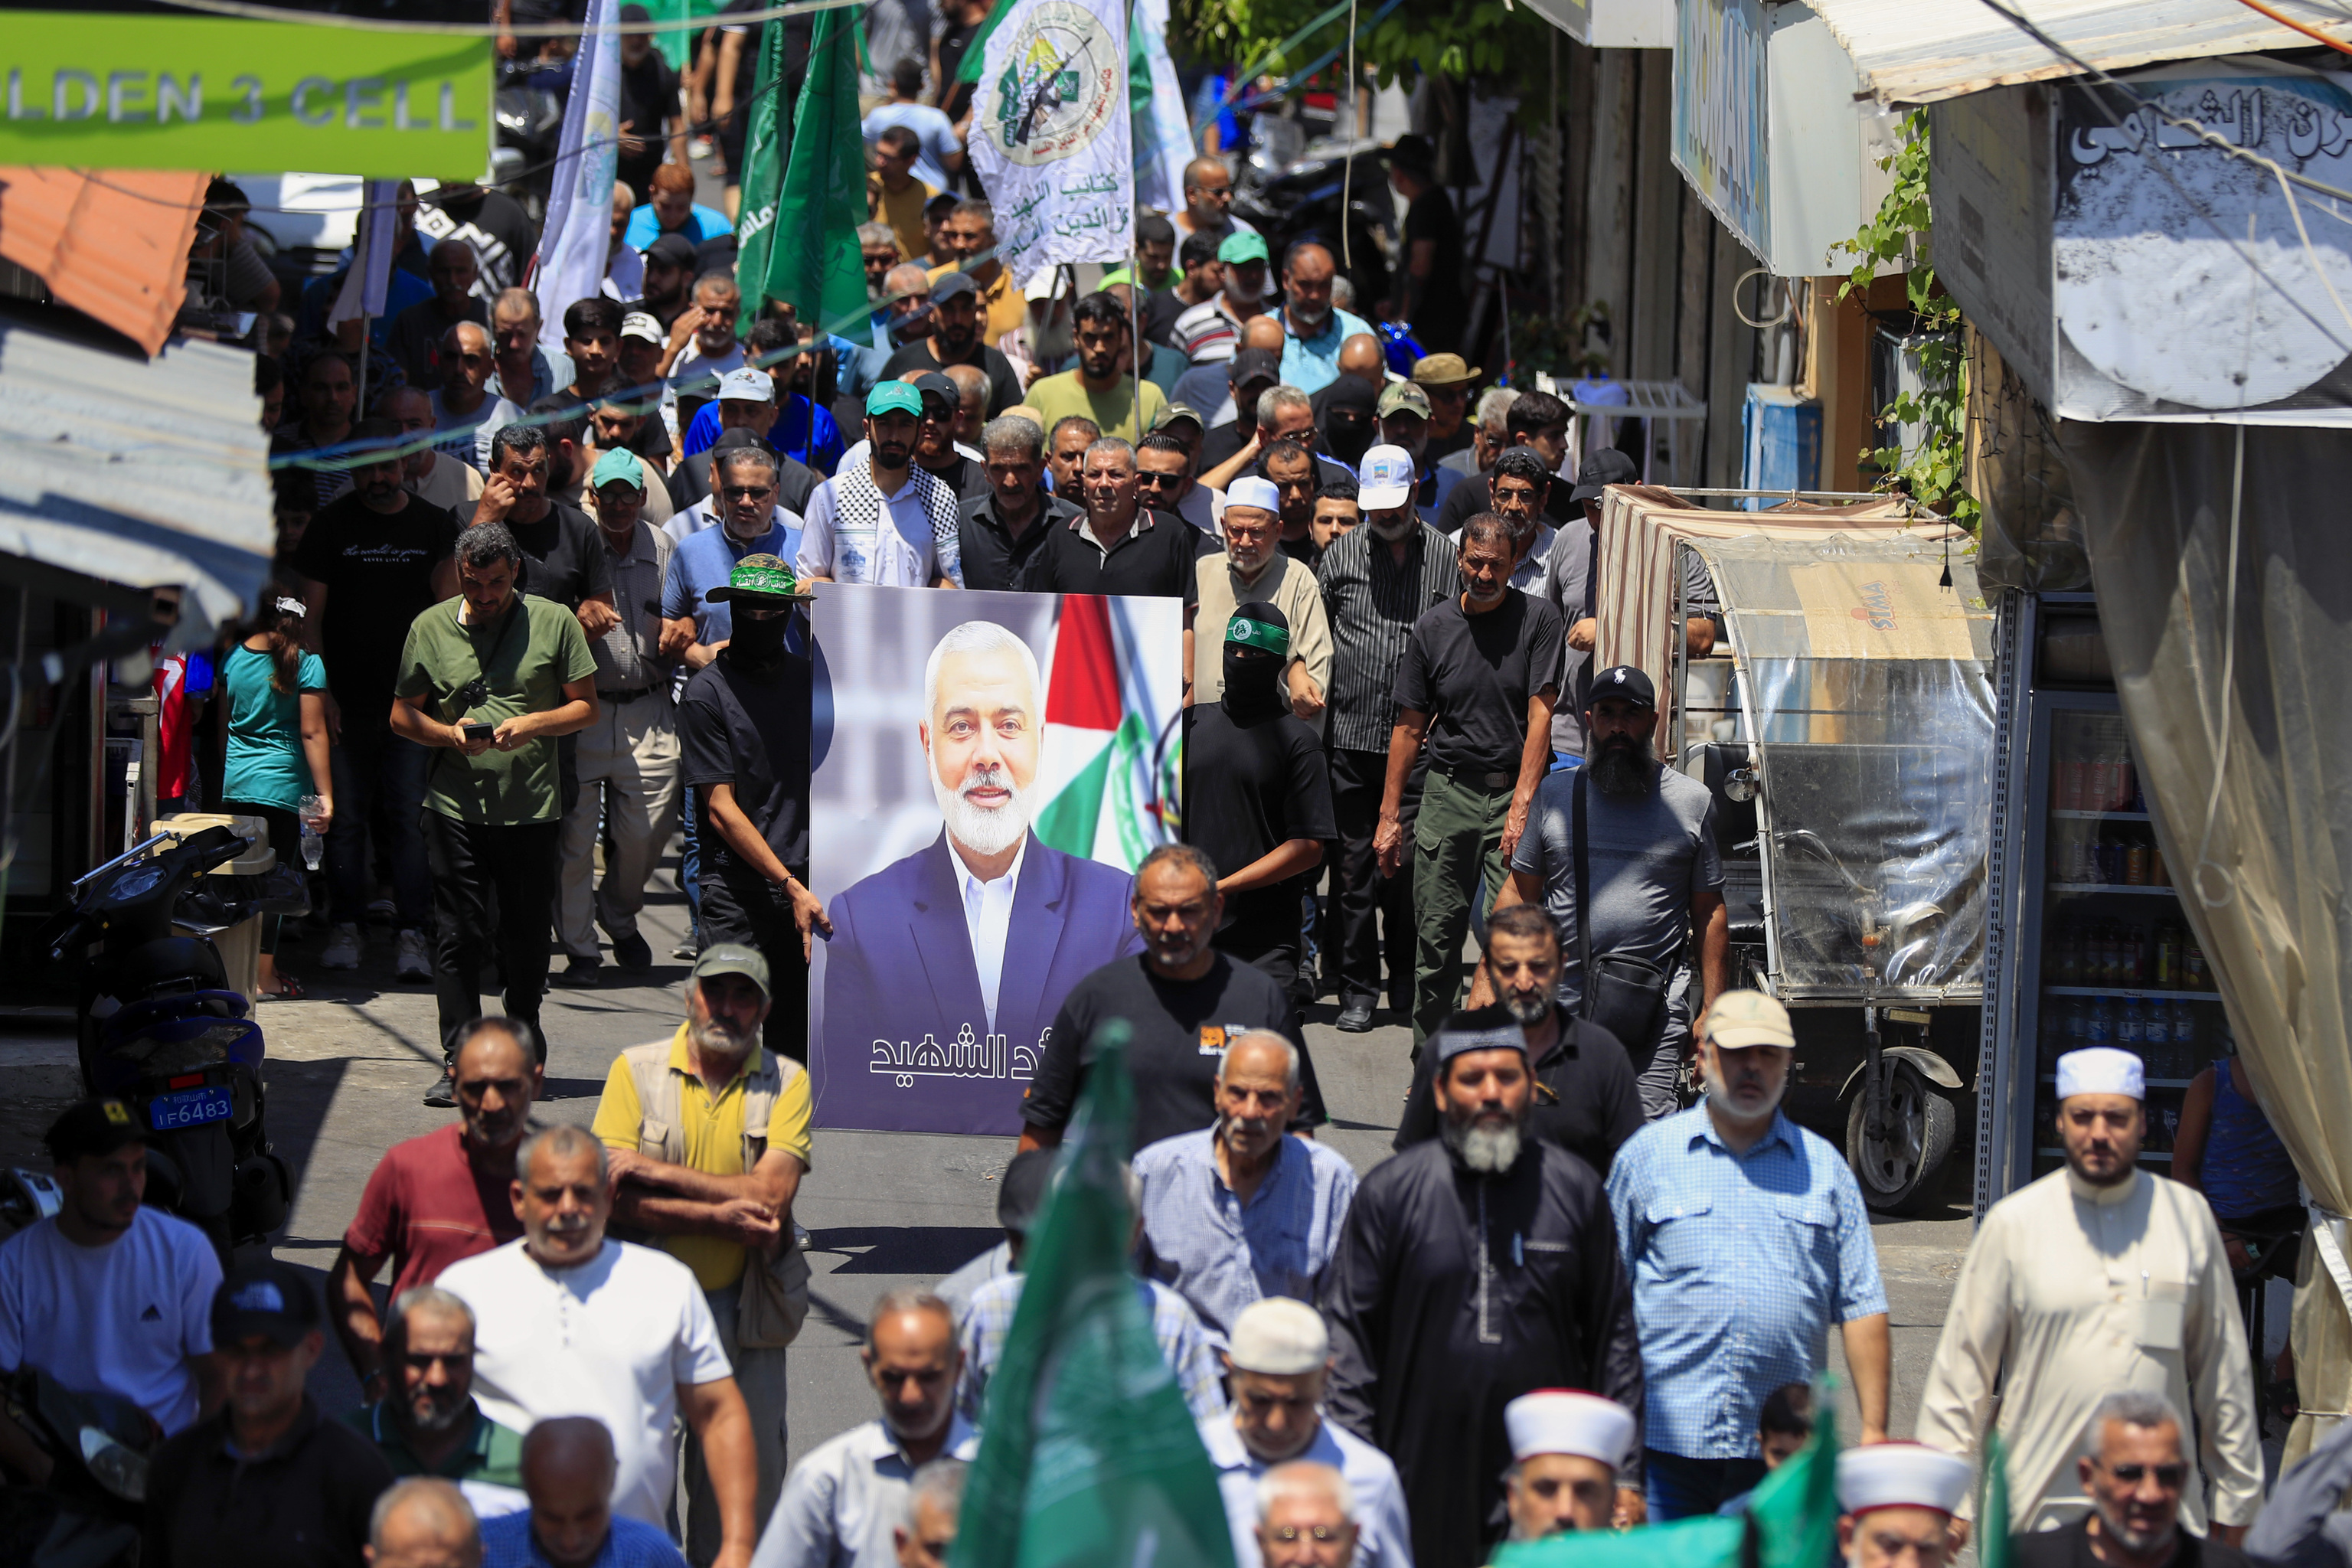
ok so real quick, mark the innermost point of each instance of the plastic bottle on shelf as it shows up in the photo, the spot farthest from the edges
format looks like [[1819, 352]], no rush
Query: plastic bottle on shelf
[[2094, 773], [2136, 960], [2159, 1036], [2193, 976], [2078, 1025], [2123, 783], [2103, 1023], [2070, 773], [2168, 954], [2184, 1037], [2131, 1028], [2135, 863]]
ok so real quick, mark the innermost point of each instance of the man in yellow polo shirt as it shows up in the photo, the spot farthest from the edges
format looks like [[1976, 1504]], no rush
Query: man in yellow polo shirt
[[969, 233], [708, 1137]]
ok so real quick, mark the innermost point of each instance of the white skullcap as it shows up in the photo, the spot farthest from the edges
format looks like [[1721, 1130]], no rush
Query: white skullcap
[[1901, 1475], [2101, 1070], [1279, 1337], [1254, 492], [1562, 1421]]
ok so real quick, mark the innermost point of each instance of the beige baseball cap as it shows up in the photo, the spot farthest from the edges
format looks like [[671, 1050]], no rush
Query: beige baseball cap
[[1743, 1018]]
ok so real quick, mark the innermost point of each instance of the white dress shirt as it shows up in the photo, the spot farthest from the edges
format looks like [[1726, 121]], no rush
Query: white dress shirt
[[899, 554], [988, 917]]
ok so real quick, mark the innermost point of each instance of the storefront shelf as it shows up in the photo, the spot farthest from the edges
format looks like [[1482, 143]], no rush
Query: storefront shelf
[[2131, 990]]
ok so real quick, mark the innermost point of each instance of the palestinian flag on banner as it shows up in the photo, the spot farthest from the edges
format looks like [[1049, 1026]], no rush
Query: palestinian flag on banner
[[1109, 779]]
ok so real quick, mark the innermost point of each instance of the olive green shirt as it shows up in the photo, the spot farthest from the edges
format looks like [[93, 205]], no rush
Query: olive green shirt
[[490, 1454], [524, 664]]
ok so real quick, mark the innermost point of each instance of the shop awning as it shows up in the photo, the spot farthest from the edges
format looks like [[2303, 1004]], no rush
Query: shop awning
[[1929, 49], [139, 472]]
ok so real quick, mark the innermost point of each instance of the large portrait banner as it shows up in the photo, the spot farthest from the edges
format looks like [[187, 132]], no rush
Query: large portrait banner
[[999, 764]]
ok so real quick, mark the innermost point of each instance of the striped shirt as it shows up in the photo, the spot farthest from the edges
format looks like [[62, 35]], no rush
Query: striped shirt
[[1372, 602]]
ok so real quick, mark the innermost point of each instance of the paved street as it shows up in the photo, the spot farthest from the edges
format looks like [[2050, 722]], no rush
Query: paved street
[[348, 1066]]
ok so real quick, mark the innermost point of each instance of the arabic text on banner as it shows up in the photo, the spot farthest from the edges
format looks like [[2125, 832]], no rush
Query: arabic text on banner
[[1051, 138]]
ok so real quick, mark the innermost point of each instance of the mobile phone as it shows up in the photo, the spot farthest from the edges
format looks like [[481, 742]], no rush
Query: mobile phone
[[478, 732]]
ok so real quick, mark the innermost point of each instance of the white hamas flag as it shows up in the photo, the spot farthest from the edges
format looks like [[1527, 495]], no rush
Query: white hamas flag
[[1050, 135]]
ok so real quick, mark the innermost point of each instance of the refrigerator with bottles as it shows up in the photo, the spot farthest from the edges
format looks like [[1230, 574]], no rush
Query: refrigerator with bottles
[[2094, 950]]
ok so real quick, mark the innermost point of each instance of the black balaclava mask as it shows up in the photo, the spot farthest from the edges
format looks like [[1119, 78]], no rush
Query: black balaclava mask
[[1349, 422], [1258, 651], [756, 643]]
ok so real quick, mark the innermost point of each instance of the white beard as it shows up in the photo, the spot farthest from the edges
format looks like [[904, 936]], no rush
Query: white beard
[[981, 829], [1719, 1096], [1489, 1151]]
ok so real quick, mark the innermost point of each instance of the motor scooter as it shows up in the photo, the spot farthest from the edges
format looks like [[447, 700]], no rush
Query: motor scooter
[[158, 1025], [86, 1514]]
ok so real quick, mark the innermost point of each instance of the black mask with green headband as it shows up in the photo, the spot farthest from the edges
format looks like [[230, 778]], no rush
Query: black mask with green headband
[[1258, 651], [763, 592]]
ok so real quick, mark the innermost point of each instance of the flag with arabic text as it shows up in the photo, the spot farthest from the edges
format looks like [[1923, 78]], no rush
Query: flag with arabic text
[[1051, 137]]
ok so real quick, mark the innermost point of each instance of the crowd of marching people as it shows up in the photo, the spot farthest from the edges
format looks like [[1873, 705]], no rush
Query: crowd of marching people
[[541, 610]]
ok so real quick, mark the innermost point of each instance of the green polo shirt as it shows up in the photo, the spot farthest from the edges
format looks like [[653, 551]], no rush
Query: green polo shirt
[[524, 664], [490, 1453]]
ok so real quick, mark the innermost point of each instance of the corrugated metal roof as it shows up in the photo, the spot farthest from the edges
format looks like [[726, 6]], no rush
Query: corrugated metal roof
[[111, 244], [1922, 50], [138, 472]]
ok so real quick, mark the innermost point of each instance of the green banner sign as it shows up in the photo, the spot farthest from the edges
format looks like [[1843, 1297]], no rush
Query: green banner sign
[[203, 92]]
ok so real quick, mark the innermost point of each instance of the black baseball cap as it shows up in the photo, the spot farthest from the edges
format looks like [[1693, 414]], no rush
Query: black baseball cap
[[671, 250], [265, 1296], [1623, 682], [932, 383], [1022, 1194], [1605, 468], [92, 1128], [948, 285], [1254, 364]]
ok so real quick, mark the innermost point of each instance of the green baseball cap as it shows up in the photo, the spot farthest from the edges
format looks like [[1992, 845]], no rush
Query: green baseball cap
[[734, 958], [1258, 633], [1241, 247], [619, 465], [760, 577], [894, 397]]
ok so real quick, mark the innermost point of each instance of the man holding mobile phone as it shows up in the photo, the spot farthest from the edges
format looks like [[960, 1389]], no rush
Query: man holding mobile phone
[[488, 680]]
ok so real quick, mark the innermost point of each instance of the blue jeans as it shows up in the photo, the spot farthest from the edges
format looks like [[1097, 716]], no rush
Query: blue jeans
[[379, 770], [689, 864], [1680, 1487]]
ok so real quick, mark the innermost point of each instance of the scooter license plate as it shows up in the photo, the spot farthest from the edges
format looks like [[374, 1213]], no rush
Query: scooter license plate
[[189, 1108]]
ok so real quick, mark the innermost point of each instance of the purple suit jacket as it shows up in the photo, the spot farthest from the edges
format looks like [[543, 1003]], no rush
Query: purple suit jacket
[[900, 971]]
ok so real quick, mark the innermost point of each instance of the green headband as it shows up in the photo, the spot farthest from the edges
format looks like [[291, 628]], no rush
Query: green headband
[[777, 580], [1258, 633]]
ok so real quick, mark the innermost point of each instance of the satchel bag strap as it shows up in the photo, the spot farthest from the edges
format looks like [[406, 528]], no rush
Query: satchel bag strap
[[1583, 907]]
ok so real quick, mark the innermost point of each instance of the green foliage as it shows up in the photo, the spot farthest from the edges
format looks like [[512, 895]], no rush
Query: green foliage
[[1505, 44], [1936, 471]]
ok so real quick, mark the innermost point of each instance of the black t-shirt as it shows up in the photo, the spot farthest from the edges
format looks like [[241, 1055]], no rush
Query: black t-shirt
[[378, 572], [966, 478], [1443, 446], [1222, 441], [1475, 675], [1180, 1030], [1004, 384], [1585, 1100], [1303, 549], [494, 224], [955, 37], [1248, 790], [994, 560], [1444, 308], [1153, 557], [734, 727], [2070, 1547], [303, 1502], [648, 96], [1161, 309], [564, 560]]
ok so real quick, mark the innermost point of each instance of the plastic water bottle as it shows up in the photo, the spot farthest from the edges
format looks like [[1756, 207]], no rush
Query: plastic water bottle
[[2131, 1028], [313, 846], [2184, 1037], [2103, 1023]]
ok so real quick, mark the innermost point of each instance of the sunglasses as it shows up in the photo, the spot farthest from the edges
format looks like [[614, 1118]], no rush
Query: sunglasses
[[2171, 1478]]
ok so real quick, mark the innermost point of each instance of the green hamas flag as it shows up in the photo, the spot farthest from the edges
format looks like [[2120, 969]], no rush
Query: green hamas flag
[[1790, 1523], [1993, 1505], [1087, 1453], [799, 213]]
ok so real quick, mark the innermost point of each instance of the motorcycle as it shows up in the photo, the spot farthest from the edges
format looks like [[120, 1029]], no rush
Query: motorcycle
[[87, 1514], [529, 113], [157, 1024], [1290, 196]]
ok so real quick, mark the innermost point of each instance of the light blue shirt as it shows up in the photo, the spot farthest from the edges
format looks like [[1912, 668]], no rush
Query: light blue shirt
[[1741, 1263], [506, 1544], [701, 223], [1175, 1328], [1312, 363], [704, 560], [1221, 1255], [1383, 1533], [932, 128]]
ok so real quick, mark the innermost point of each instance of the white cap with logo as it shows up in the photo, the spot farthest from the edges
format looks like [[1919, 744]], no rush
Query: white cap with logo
[[1385, 478], [747, 385]]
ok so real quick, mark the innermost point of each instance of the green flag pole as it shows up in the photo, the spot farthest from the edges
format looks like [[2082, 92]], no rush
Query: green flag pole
[[795, 247], [1088, 1455], [1992, 1506]]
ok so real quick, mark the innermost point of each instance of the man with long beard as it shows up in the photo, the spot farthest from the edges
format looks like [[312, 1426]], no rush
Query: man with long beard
[[985, 929], [707, 1138], [1746, 1239], [1634, 842], [1485, 1253]]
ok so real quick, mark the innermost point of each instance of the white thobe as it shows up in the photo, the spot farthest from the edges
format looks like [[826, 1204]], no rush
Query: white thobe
[[2071, 1293]]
